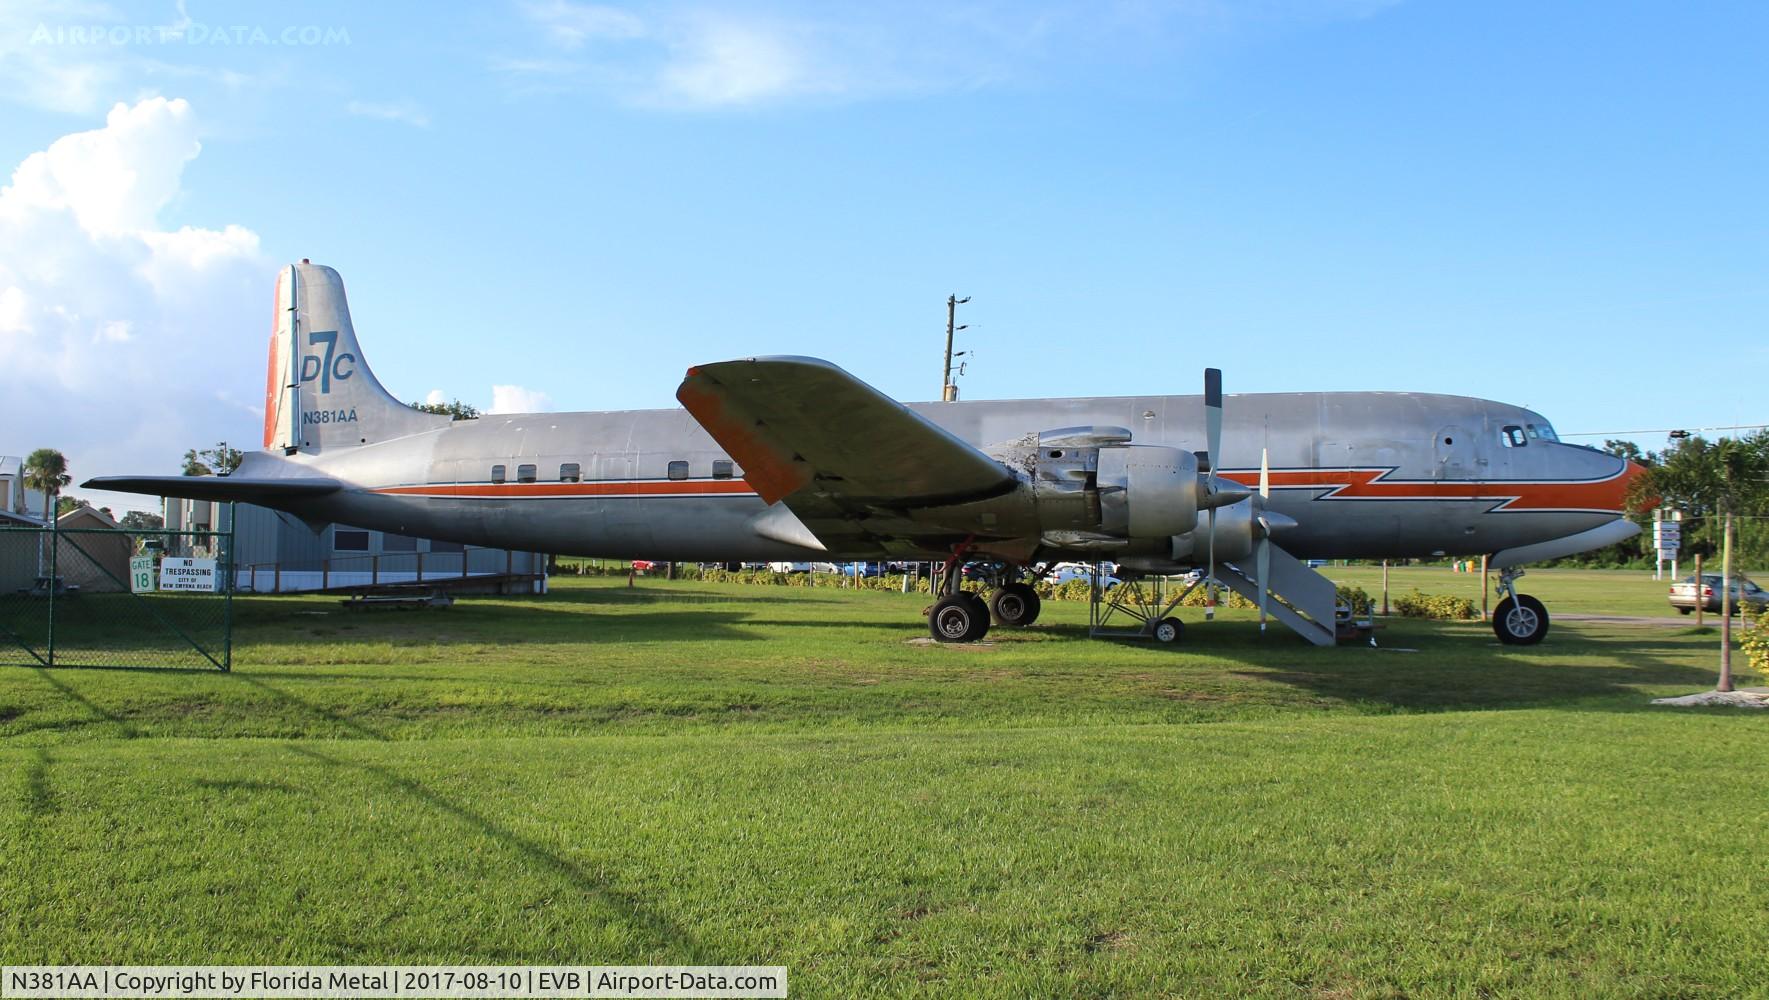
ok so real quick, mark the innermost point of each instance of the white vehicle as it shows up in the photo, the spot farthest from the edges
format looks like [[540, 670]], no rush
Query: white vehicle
[[1064, 572], [804, 567]]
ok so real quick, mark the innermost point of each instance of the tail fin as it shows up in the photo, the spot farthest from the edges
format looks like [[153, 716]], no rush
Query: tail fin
[[319, 394]]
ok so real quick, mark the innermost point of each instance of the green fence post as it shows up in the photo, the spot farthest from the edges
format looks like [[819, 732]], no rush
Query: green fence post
[[54, 544], [227, 597]]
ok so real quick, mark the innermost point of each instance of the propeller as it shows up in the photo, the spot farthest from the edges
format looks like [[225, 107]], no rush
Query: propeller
[[1213, 442]]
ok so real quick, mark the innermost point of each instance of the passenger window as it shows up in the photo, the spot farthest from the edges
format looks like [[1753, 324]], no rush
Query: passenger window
[[525, 473], [497, 473], [722, 469], [1512, 437], [568, 473], [678, 470]]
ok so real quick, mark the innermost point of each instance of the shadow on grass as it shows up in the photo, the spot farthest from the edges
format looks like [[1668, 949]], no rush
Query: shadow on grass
[[653, 924], [38, 799], [342, 722], [1453, 671], [542, 620], [124, 727]]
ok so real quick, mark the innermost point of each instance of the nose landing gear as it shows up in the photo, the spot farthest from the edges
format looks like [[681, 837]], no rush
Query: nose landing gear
[[1519, 620]]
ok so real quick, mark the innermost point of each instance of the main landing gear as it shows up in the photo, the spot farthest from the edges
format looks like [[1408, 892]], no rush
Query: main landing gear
[[963, 616], [1519, 620]]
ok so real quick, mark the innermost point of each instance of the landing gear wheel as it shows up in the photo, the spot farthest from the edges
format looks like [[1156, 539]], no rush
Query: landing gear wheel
[[1168, 631], [1520, 622], [961, 617], [1015, 604]]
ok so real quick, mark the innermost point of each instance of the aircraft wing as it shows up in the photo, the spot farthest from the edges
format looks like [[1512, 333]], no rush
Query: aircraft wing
[[806, 431], [246, 489]]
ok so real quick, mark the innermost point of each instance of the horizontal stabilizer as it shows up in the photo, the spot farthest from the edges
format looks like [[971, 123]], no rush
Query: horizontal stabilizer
[[223, 488]]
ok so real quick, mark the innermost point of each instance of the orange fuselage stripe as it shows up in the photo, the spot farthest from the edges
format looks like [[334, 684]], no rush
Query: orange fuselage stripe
[[1369, 484], [1340, 484], [667, 487]]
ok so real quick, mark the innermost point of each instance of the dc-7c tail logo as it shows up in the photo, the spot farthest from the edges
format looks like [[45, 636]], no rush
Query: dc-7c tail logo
[[329, 367]]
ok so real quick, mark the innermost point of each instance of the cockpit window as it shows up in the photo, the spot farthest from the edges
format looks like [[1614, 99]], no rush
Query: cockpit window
[[1513, 437], [1532, 431], [1547, 433]]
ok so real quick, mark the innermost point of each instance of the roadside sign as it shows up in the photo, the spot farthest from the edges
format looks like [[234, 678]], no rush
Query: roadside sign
[[1667, 536], [188, 575], [141, 575]]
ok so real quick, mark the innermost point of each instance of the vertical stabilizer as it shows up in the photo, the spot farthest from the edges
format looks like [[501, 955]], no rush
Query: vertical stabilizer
[[319, 393]]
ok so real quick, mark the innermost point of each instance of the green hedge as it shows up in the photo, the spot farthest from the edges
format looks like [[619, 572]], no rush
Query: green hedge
[[1444, 606], [1755, 641]]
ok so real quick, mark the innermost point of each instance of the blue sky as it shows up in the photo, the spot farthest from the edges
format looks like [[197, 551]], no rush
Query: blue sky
[[1559, 205]]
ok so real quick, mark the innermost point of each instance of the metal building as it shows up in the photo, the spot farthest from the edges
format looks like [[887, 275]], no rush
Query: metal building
[[278, 553]]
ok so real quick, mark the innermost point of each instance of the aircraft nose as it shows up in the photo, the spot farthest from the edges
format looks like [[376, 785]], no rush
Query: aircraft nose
[[1632, 471]]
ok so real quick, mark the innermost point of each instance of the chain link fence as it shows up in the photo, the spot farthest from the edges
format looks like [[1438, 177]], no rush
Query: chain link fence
[[91, 597]]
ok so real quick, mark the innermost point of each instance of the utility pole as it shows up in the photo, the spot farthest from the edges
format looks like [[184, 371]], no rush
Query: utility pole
[[948, 388], [1725, 607]]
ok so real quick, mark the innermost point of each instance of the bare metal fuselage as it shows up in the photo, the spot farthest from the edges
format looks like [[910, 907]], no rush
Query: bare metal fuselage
[[1364, 475]]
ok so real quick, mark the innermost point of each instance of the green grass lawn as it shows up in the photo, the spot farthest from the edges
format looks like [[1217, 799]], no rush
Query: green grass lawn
[[1570, 591], [720, 774]]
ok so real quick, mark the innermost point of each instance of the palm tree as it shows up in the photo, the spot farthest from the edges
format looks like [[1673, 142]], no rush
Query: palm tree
[[46, 469]]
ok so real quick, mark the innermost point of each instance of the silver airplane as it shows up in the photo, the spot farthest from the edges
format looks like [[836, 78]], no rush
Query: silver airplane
[[791, 458]]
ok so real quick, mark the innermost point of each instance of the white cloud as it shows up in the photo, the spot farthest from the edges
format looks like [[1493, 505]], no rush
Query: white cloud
[[407, 112], [436, 397], [124, 342], [517, 399], [692, 56], [570, 25], [724, 62]]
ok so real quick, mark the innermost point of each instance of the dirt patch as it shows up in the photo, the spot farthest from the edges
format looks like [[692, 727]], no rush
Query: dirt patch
[[1106, 941], [967, 647], [1732, 699]]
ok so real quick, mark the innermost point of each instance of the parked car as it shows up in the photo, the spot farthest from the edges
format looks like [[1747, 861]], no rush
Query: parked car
[[804, 567], [1062, 573], [1746, 595]]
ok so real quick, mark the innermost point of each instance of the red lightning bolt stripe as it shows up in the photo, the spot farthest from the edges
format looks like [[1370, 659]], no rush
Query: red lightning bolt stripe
[[1508, 494]]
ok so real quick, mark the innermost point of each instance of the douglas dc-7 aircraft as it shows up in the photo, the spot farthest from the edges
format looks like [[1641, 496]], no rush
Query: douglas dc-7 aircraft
[[790, 458]]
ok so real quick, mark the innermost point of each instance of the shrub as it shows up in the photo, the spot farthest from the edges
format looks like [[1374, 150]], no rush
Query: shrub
[[1354, 597], [1755, 641], [1444, 606]]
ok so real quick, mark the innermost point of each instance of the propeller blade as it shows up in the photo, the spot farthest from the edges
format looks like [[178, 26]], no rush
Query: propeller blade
[[1213, 442], [1213, 420], [1264, 572], [1210, 578], [1264, 474]]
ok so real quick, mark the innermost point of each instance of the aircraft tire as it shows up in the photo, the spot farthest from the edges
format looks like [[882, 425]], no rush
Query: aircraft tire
[[961, 617], [1015, 604], [1168, 631], [1523, 622]]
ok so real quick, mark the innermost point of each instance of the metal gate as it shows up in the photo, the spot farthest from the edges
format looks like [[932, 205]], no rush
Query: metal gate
[[103, 597]]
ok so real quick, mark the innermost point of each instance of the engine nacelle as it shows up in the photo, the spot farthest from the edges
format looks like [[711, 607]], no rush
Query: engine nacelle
[[1147, 491], [1234, 536]]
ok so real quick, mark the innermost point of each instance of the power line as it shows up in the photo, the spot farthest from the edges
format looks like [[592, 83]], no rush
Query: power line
[[1666, 430]]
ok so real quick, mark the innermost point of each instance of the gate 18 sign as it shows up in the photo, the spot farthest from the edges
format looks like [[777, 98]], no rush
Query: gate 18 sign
[[188, 575]]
